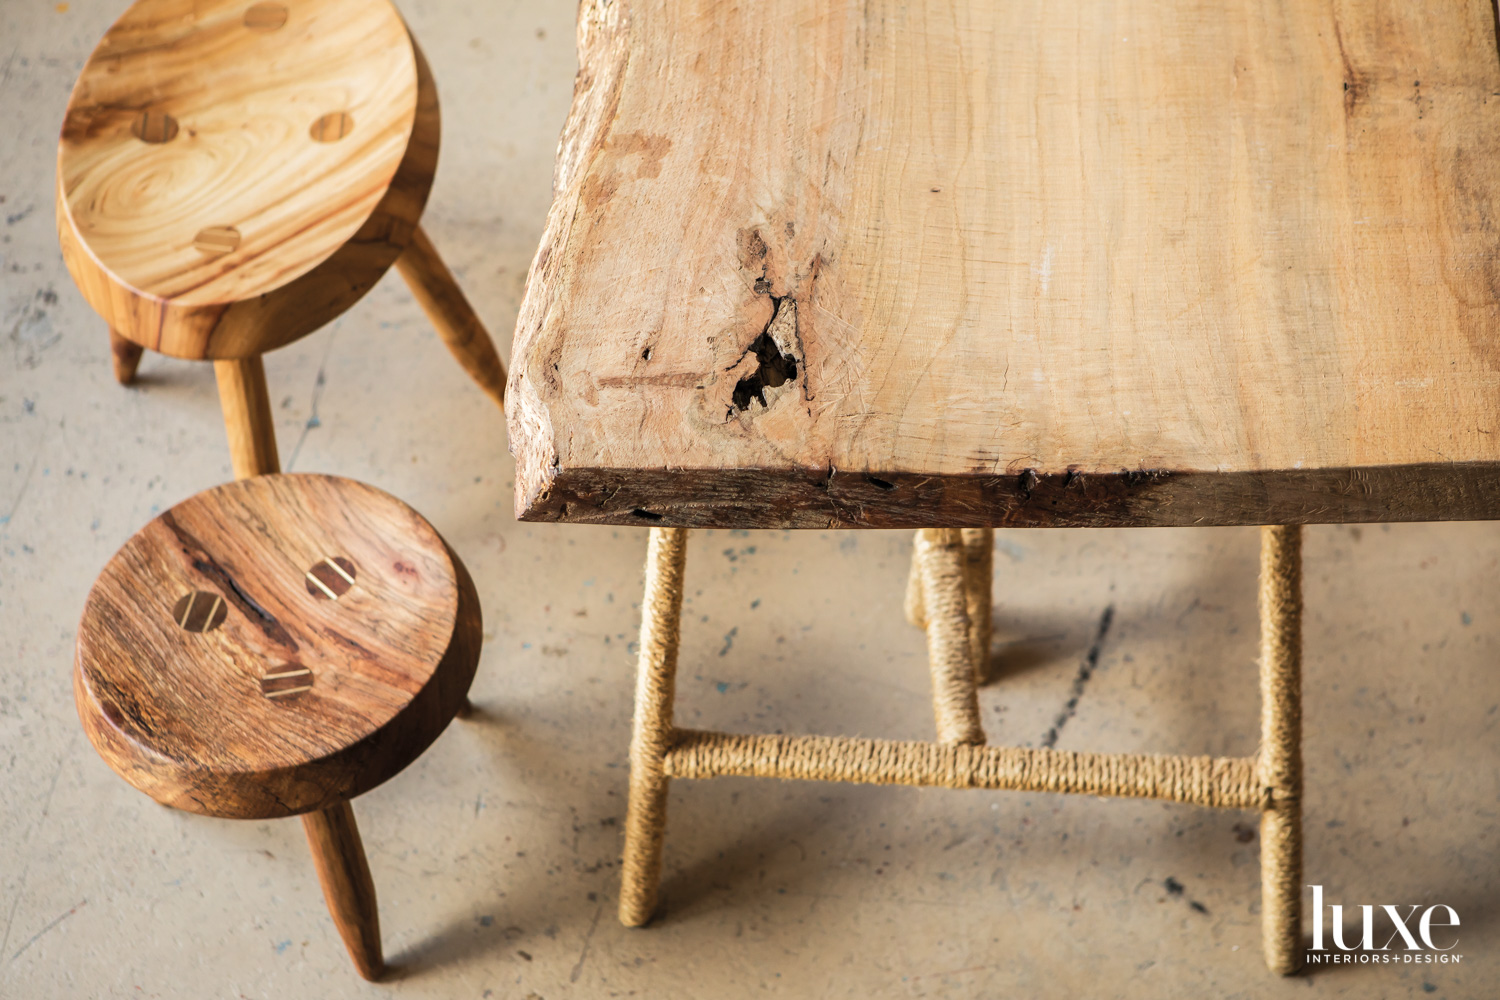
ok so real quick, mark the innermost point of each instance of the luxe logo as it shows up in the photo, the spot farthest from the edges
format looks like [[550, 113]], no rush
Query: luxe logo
[[1427, 937]]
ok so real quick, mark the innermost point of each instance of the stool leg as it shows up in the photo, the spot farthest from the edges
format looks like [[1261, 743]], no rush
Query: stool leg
[[443, 301], [126, 356], [247, 416], [339, 857], [651, 736], [979, 572], [955, 699], [1281, 746]]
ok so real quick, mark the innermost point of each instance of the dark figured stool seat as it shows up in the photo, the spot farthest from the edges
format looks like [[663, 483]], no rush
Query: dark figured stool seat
[[275, 647]]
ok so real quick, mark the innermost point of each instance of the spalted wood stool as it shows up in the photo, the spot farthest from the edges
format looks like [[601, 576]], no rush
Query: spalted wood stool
[[275, 647], [233, 175]]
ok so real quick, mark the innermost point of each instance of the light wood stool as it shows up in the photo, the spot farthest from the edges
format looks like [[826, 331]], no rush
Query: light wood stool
[[275, 647], [234, 175]]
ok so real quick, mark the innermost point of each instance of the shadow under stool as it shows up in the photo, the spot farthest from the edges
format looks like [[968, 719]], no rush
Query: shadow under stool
[[232, 176], [275, 647]]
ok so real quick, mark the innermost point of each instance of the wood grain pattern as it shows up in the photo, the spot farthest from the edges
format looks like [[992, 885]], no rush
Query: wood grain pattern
[[248, 421], [206, 720], [241, 230], [445, 304], [344, 873], [1112, 262], [125, 357]]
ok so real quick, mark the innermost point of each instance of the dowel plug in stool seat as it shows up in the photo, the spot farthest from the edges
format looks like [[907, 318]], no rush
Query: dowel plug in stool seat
[[233, 176], [276, 647]]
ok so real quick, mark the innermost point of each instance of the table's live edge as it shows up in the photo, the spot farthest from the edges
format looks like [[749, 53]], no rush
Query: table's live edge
[[550, 488], [830, 498]]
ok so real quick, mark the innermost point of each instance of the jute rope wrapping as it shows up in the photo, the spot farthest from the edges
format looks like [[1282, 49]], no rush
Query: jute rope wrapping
[[652, 733], [955, 697], [979, 574], [941, 598], [979, 571], [1225, 782], [914, 605], [1281, 746]]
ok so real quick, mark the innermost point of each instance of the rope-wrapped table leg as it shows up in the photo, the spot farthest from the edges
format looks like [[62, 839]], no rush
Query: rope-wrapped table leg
[[947, 592], [652, 734], [915, 604], [979, 570], [1281, 746], [955, 698]]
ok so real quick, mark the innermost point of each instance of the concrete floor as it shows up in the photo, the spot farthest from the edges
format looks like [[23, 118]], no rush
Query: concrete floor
[[496, 855]]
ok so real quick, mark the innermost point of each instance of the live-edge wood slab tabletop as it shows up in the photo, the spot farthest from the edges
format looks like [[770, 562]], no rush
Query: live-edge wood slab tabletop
[[868, 263]]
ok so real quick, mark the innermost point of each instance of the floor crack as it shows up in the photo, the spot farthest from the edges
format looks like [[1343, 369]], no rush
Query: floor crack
[[313, 421], [1081, 679], [578, 966]]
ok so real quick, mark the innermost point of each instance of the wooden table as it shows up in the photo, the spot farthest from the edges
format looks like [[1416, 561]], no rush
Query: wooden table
[[966, 264]]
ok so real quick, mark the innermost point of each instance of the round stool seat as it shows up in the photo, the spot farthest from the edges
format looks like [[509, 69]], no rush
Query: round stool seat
[[274, 646], [234, 174]]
